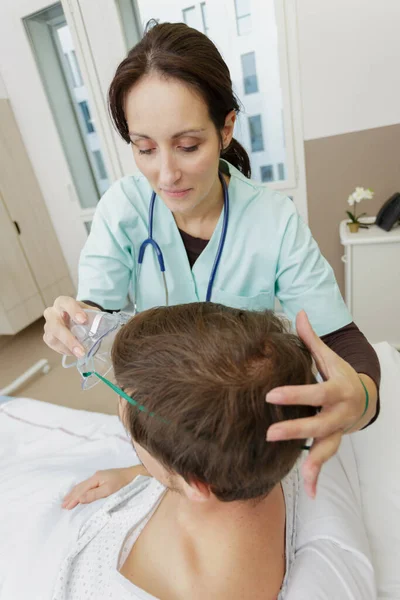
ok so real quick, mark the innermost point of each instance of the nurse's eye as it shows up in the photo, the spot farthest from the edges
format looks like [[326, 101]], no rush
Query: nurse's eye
[[146, 151], [189, 148]]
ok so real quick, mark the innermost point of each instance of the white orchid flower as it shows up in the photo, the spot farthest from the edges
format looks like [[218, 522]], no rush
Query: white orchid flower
[[359, 194], [368, 194], [351, 200]]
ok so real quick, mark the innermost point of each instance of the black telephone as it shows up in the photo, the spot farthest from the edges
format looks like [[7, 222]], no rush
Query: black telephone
[[389, 213]]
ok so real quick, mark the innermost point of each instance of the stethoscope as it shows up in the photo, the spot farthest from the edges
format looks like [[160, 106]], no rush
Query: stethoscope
[[150, 241]]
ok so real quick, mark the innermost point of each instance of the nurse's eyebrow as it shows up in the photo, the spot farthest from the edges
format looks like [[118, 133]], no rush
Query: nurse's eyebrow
[[176, 135]]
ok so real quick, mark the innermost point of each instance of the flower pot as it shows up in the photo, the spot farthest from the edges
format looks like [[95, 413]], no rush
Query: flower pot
[[354, 227]]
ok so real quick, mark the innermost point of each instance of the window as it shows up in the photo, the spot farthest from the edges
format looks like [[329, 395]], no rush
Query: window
[[250, 82], [189, 16], [75, 69], [129, 22], [54, 51], [281, 171], [86, 115], [267, 173], [204, 17], [243, 16], [256, 136], [100, 164]]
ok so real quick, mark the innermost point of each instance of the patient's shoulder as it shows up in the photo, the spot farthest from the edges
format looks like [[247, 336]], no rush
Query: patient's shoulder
[[136, 498]]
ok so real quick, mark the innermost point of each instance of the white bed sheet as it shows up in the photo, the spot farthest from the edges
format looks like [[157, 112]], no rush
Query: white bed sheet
[[377, 454], [44, 450]]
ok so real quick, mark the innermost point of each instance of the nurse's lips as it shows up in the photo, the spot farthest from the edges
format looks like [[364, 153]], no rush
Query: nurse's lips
[[176, 193]]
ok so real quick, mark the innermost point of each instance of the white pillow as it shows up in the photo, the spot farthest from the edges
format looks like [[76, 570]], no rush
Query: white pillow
[[377, 452]]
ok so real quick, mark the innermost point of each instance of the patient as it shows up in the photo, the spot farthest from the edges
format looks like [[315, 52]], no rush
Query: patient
[[222, 517]]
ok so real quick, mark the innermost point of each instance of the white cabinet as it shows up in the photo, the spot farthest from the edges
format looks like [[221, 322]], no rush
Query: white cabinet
[[372, 279], [33, 271]]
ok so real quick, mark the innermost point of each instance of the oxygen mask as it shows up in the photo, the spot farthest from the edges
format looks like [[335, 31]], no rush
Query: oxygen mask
[[96, 336]]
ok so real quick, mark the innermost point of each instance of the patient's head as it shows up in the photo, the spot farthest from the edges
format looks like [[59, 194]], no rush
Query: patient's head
[[204, 370]]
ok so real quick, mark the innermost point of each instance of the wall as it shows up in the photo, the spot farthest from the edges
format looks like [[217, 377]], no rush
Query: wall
[[3, 91], [350, 84]]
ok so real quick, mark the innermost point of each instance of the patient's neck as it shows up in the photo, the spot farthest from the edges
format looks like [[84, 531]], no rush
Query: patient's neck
[[214, 514], [219, 535]]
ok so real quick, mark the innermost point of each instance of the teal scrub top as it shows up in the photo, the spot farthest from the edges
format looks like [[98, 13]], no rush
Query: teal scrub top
[[269, 251]]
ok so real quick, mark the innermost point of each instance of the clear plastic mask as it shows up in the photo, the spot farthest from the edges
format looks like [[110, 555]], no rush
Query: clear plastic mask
[[96, 336]]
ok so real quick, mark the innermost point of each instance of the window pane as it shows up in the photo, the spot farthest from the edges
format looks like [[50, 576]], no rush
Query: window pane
[[100, 164], [189, 15], [267, 173], [76, 69], [192, 16], [79, 96], [129, 22], [256, 136], [86, 115], [204, 17], [54, 51], [250, 82], [281, 171], [244, 25], [242, 8]]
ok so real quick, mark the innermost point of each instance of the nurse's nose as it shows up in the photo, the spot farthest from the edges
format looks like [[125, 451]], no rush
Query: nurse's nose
[[169, 172]]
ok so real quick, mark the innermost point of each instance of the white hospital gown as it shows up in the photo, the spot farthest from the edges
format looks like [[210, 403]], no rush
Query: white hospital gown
[[327, 551], [90, 571]]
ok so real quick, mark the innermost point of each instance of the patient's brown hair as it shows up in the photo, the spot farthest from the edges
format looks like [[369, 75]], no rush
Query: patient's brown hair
[[204, 369]]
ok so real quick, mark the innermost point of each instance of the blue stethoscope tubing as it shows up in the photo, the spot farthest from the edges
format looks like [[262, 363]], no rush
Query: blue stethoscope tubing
[[150, 241]]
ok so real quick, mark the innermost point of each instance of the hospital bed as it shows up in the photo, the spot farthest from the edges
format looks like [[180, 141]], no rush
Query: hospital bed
[[45, 449]]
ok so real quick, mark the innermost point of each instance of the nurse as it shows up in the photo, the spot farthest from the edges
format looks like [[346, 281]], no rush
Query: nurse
[[171, 99]]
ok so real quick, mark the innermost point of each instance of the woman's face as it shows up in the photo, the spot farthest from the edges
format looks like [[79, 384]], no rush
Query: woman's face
[[175, 144]]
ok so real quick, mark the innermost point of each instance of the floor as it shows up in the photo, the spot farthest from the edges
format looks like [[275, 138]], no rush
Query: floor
[[60, 386]]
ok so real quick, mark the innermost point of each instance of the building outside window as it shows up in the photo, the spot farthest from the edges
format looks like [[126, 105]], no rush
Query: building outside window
[[256, 135], [267, 173], [281, 171], [100, 164], [86, 115], [243, 16], [250, 82], [189, 16], [203, 8]]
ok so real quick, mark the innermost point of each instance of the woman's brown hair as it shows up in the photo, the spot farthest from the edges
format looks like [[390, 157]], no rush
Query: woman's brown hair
[[204, 369], [177, 51]]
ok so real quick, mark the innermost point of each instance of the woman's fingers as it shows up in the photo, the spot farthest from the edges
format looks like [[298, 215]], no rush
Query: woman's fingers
[[56, 345], [321, 451], [319, 426], [56, 330], [72, 307], [58, 337], [306, 395]]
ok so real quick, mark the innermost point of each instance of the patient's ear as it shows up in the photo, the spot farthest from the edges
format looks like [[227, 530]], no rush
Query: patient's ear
[[197, 491]]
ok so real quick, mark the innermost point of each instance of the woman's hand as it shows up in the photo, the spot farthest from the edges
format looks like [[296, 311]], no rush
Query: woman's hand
[[56, 330], [341, 397], [101, 485]]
